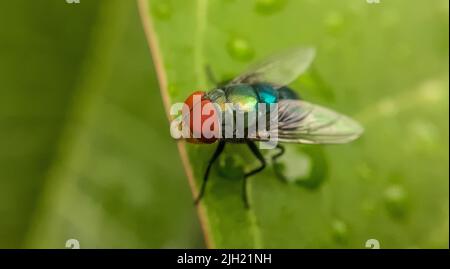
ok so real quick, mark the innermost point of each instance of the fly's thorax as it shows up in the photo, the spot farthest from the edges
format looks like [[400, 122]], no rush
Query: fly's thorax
[[218, 97], [243, 96], [241, 108], [266, 93]]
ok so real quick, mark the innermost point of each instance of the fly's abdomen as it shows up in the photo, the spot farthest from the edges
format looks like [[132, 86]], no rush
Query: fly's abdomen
[[285, 93]]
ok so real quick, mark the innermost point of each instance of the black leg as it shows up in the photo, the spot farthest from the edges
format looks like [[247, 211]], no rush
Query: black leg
[[260, 157], [216, 154], [210, 75], [274, 162], [279, 154]]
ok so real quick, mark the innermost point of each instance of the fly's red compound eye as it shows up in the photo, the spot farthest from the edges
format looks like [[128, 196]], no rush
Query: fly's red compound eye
[[196, 103], [194, 97]]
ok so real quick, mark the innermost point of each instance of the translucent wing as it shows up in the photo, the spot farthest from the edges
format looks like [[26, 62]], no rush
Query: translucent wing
[[303, 122], [279, 70]]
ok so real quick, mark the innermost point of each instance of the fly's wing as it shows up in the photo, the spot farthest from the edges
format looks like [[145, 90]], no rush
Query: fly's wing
[[306, 123], [278, 70]]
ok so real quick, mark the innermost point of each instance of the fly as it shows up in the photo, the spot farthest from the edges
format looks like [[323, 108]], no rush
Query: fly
[[298, 121]]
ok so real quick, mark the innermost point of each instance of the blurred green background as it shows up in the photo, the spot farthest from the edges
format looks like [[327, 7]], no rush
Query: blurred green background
[[85, 148]]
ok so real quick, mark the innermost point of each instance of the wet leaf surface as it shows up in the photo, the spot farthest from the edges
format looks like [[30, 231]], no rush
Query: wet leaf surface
[[385, 65]]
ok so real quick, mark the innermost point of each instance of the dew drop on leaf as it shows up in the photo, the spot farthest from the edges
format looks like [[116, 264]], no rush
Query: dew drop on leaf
[[268, 7], [162, 10], [296, 168], [172, 88], [305, 166], [432, 91], [423, 136], [368, 207], [395, 198], [240, 49], [334, 22], [365, 171], [387, 108], [340, 231]]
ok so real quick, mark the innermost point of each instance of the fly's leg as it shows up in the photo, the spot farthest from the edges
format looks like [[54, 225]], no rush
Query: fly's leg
[[279, 154], [275, 164], [213, 79], [210, 75], [216, 154], [260, 157]]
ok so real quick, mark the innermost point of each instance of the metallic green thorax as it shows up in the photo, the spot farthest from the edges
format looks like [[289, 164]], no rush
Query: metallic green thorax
[[247, 96]]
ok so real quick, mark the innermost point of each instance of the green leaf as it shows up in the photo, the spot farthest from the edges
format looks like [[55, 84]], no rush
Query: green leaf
[[84, 148], [384, 64], [33, 98]]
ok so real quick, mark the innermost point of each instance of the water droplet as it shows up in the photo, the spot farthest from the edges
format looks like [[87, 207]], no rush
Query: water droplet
[[340, 231], [368, 207], [395, 198], [305, 166], [364, 171], [387, 108], [162, 10], [172, 89], [423, 136], [334, 22], [240, 49], [268, 7], [432, 91]]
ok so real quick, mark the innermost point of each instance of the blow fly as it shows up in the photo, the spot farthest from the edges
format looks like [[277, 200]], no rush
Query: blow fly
[[294, 120]]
